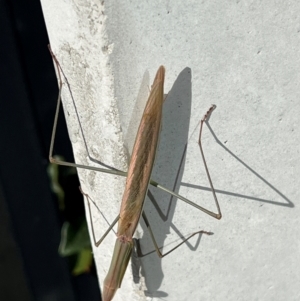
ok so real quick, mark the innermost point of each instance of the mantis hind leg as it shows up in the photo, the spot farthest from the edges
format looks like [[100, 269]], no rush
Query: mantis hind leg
[[217, 215], [157, 248], [52, 159]]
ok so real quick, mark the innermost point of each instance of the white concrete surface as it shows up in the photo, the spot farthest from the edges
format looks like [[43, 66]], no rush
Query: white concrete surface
[[242, 56]]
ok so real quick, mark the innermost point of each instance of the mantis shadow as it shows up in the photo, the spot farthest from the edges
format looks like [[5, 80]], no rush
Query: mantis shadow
[[168, 171], [288, 202]]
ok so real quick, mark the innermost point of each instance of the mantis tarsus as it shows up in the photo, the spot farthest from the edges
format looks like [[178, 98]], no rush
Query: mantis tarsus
[[138, 179]]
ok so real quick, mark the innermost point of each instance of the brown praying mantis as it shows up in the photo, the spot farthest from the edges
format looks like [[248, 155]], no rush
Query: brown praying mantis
[[138, 180]]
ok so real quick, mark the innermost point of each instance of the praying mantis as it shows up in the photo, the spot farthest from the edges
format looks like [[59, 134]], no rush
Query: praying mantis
[[138, 180]]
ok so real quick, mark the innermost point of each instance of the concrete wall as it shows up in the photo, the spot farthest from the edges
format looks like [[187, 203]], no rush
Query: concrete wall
[[241, 56]]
